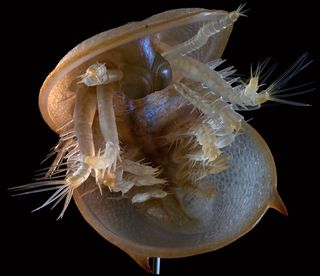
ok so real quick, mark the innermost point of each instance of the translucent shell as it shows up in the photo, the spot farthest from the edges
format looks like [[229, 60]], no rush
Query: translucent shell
[[243, 194], [175, 26], [176, 220]]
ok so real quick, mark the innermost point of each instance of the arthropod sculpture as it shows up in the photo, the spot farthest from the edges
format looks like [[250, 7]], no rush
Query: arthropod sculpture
[[152, 147]]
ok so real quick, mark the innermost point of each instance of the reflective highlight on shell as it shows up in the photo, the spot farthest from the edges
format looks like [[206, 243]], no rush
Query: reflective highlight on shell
[[152, 145]]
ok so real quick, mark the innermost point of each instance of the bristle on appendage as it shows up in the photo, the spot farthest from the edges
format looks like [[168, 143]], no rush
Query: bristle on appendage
[[204, 34], [246, 96], [138, 174], [61, 191], [63, 176], [200, 153], [214, 95], [196, 170], [275, 93]]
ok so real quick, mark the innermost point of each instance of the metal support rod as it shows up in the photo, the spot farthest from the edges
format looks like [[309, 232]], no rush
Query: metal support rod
[[156, 266]]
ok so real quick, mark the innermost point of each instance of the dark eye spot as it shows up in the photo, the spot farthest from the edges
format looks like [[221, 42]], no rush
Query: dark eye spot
[[162, 73]]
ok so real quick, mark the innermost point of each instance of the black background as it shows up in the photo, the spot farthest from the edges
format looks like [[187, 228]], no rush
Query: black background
[[38, 35]]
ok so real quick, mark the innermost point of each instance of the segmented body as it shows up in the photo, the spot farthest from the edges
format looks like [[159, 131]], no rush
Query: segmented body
[[214, 94]]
